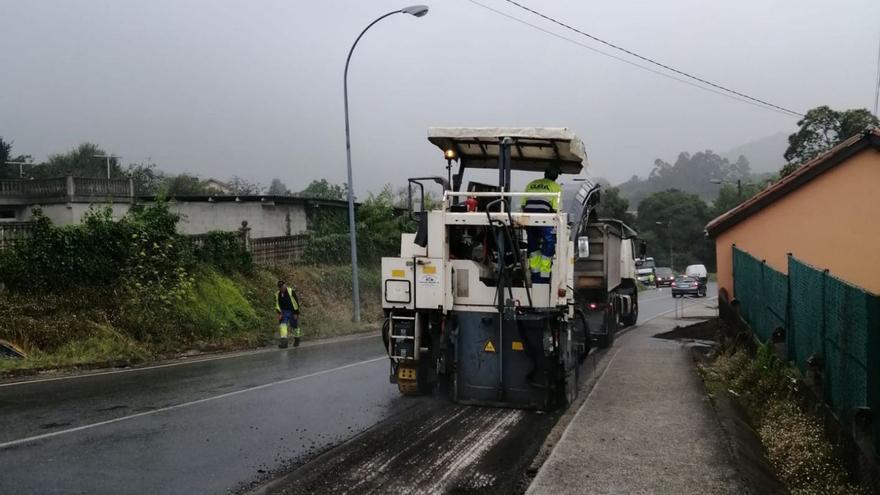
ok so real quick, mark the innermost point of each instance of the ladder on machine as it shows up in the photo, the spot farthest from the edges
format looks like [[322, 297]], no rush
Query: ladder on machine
[[404, 348]]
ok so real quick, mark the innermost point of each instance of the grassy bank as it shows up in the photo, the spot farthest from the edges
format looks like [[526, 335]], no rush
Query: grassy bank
[[108, 327], [797, 447]]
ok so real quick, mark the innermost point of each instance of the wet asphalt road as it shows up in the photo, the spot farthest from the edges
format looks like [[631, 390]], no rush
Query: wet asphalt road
[[228, 424]]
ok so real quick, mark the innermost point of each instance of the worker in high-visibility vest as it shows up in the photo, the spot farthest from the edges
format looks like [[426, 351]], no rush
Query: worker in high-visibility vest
[[542, 240], [287, 307]]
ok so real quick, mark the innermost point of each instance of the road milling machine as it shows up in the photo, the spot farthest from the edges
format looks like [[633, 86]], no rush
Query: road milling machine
[[463, 316]]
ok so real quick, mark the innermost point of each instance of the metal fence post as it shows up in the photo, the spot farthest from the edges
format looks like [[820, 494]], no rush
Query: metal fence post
[[826, 385], [790, 335]]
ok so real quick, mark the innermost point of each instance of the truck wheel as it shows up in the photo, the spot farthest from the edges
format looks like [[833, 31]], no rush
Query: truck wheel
[[582, 335], [630, 319], [606, 339]]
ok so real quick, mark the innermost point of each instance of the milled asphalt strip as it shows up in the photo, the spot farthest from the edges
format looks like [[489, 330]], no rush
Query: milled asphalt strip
[[20, 441], [184, 361]]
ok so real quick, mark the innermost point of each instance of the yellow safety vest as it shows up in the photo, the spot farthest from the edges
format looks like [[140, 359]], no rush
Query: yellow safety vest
[[541, 204], [292, 300]]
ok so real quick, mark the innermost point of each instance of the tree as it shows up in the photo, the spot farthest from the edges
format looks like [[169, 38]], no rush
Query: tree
[[321, 189], [691, 173], [244, 187], [80, 161], [182, 185], [820, 130], [278, 188], [613, 205], [730, 196], [673, 220], [5, 150], [10, 171], [147, 179], [379, 226]]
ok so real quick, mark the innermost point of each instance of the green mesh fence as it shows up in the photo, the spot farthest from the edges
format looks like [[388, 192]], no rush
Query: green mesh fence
[[827, 321], [762, 293], [832, 320]]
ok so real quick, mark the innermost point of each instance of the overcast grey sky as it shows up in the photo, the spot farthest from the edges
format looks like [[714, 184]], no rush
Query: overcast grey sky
[[254, 88]]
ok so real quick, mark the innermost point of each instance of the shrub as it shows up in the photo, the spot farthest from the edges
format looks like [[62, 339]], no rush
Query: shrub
[[223, 250], [796, 445], [379, 226], [216, 307]]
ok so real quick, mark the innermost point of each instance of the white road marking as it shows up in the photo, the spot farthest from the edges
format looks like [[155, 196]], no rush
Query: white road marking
[[183, 362], [34, 438]]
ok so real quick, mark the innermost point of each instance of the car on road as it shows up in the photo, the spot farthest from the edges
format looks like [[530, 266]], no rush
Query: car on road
[[663, 276], [688, 286]]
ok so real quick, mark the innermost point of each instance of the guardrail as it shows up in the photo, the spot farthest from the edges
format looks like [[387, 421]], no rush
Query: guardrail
[[64, 188], [86, 186], [16, 188]]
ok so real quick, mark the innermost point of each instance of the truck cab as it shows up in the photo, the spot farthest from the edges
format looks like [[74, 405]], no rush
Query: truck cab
[[645, 269]]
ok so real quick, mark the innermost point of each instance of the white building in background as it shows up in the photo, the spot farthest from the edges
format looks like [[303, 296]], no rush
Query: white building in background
[[66, 200], [218, 187]]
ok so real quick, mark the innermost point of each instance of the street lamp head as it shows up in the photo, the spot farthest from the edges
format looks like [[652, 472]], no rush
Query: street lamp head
[[416, 10], [716, 181]]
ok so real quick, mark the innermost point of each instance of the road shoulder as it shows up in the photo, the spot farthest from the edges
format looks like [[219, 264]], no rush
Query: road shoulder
[[184, 359]]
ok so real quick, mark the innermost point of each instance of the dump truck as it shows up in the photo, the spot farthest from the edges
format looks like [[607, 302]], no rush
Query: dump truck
[[463, 317], [605, 274]]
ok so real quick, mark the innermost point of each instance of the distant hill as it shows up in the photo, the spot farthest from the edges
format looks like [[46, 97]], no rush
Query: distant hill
[[764, 154]]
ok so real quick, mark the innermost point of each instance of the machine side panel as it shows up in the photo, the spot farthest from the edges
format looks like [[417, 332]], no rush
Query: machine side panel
[[436, 235], [612, 257], [430, 281], [627, 260], [409, 248], [398, 291]]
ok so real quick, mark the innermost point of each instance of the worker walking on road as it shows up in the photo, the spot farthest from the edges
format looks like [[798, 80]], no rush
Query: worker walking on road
[[542, 240], [287, 306]]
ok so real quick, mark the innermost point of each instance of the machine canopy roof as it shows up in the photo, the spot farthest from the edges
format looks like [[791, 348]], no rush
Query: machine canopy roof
[[534, 148]]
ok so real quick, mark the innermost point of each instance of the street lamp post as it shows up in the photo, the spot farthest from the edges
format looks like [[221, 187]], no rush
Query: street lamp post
[[415, 10], [20, 167], [108, 157]]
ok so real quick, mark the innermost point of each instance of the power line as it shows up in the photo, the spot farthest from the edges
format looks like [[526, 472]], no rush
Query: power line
[[621, 59], [654, 62]]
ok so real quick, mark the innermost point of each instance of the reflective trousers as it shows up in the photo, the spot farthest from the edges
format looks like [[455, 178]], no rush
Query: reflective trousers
[[288, 319], [542, 247]]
